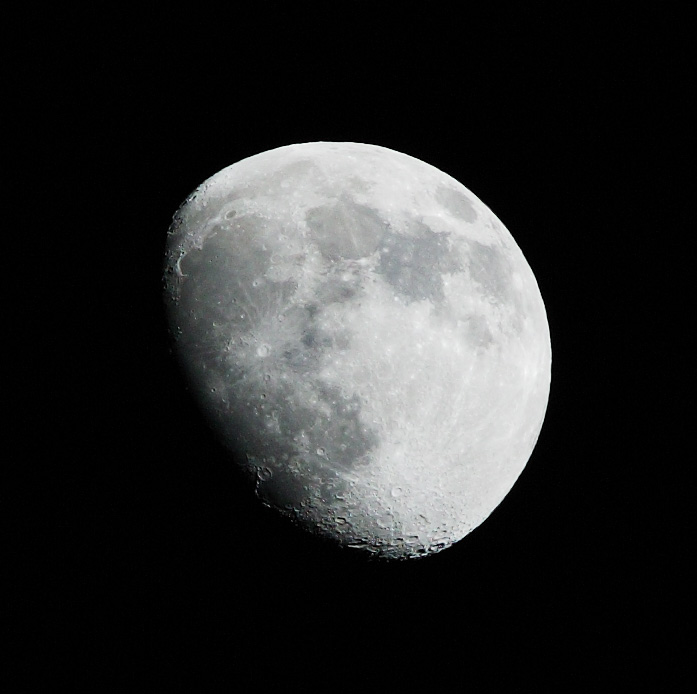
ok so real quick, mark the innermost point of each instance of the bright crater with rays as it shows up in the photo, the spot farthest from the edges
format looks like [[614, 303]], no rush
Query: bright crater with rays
[[366, 338]]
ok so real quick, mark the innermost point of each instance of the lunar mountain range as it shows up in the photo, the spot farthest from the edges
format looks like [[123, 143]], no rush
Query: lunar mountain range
[[365, 337]]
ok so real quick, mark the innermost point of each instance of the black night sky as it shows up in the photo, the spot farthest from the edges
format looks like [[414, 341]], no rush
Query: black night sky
[[158, 566]]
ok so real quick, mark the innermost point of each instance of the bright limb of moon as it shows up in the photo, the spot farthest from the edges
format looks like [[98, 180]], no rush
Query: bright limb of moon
[[366, 334]]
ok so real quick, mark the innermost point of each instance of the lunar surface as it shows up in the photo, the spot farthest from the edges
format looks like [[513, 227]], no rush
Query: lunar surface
[[365, 337]]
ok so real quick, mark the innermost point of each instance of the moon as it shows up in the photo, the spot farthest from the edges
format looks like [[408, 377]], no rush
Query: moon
[[366, 339]]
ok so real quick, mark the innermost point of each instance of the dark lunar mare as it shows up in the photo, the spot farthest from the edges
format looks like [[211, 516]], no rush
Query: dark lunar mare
[[287, 445]]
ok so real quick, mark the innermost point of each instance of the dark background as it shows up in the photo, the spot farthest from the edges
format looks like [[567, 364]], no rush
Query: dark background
[[152, 563]]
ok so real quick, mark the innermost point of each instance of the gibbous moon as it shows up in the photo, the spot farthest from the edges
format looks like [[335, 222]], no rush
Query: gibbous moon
[[366, 338]]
